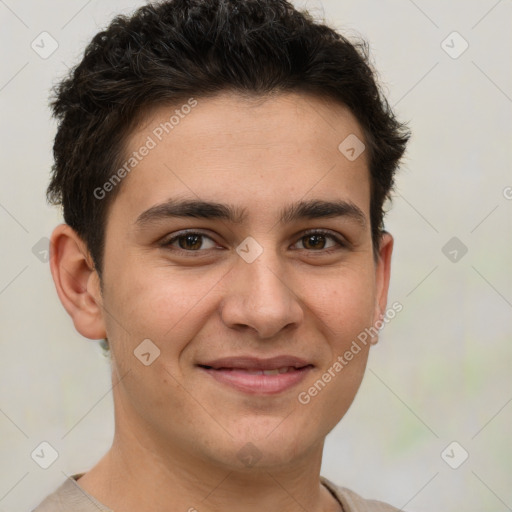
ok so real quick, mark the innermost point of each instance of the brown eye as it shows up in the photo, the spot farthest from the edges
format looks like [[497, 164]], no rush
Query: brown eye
[[319, 240], [191, 241], [314, 241]]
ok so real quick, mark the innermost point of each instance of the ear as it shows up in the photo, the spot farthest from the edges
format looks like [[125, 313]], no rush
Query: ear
[[382, 275], [77, 282]]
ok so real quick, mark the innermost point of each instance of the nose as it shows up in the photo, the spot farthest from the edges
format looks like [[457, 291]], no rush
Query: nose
[[259, 297]]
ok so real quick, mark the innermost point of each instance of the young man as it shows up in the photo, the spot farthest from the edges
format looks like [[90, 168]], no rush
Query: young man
[[222, 166]]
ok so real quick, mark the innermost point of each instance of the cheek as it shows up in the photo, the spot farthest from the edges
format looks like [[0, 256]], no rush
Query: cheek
[[342, 305], [162, 304], [343, 312]]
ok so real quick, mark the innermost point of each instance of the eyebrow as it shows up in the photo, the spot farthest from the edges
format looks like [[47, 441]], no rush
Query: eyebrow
[[312, 209]]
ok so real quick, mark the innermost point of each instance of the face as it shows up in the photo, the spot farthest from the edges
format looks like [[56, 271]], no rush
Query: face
[[240, 243]]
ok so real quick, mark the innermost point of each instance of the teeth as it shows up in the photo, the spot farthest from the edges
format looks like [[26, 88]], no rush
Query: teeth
[[275, 371]]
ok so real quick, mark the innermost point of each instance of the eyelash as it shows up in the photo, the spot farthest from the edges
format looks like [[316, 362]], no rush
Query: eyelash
[[341, 244]]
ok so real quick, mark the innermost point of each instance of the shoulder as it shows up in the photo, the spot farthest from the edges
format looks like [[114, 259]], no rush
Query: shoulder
[[70, 497], [352, 502]]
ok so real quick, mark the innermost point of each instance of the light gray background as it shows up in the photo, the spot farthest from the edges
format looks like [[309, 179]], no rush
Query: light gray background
[[442, 370]]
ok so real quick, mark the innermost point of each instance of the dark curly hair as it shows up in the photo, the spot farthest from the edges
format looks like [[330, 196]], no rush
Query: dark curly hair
[[167, 52]]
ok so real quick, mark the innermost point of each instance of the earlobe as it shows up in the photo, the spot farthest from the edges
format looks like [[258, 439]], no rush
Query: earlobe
[[77, 282]]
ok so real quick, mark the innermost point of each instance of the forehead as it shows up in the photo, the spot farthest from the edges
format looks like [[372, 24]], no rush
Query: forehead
[[254, 151]]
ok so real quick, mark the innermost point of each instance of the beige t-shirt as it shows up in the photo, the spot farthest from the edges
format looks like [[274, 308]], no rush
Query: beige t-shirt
[[70, 497]]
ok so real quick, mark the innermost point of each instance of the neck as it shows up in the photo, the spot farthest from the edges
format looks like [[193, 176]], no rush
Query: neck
[[137, 473]]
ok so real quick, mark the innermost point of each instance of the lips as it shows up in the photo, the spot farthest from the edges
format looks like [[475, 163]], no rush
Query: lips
[[258, 376]]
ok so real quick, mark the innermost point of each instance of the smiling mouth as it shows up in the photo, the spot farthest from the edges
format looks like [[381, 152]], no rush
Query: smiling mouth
[[264, 381], [249, 371]]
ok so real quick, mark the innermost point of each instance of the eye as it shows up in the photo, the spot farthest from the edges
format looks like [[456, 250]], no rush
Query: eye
[[190, 241], [312, 241], [317, 240]]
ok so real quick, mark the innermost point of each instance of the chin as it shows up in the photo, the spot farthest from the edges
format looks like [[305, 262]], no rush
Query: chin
[[269, 448]]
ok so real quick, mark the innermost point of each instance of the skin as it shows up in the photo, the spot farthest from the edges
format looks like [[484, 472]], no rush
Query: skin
[[179, 431]]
